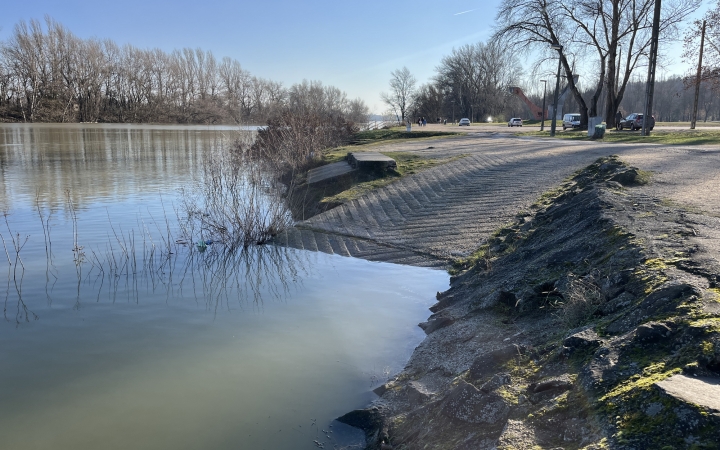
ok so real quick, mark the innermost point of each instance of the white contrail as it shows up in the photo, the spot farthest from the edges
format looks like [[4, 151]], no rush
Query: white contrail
[[469, 10]]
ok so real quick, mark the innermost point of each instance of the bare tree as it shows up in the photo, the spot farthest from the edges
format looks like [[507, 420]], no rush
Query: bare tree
[[603, 27], [428, 101], [475, 78], [24, 58], [536, 25], [710, 70], [402, 89], [49, 74], [619, 31]]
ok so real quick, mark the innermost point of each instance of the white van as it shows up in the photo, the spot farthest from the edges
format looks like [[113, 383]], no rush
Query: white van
[[571, 121]]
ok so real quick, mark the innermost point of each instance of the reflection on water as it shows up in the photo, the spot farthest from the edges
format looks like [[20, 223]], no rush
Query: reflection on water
[[118, 334], [100, 161]]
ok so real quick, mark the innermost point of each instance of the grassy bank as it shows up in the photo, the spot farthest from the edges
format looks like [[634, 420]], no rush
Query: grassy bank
[[394, 134]]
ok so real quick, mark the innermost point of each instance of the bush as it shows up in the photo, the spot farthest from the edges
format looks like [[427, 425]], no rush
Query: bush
[[293, 141]]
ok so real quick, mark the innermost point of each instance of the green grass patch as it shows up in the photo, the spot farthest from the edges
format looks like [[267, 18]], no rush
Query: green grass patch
[[461, 264], [687, 124], [365, 140], [407, 164], [359, 190], [666, 137], [392, 134]]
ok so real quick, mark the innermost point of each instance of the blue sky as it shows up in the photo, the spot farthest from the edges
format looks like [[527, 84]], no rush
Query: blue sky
[[351, 45]]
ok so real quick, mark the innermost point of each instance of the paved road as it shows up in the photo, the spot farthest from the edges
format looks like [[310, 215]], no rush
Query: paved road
[[448, 211], [502, 127]]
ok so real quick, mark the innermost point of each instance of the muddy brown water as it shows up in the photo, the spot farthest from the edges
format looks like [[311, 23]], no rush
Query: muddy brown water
[[102, 347]]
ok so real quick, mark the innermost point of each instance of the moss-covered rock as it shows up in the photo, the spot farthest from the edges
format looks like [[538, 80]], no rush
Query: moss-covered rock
[[560, 330]]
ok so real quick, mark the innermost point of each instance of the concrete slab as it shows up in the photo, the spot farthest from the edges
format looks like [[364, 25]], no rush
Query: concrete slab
[[699, 391], [328, 171], [362, 160]]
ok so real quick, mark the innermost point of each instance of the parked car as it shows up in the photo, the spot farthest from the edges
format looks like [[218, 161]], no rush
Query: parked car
[[635, 122], [515, 122], [465, 122], [571, 121]]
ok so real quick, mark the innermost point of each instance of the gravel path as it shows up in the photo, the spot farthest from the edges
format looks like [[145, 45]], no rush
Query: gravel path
[[428, 218]]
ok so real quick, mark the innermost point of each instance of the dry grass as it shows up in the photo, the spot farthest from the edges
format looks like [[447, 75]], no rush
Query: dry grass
[[581, 299]]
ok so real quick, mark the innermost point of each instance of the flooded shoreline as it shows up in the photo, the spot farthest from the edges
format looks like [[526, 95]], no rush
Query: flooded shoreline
[[211, 349]]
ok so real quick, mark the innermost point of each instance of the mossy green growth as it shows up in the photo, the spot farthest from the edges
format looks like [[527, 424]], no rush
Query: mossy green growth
[[640, 382], [707, 348], [616, 234], [602, 445], [643, 177], [461, 264], [510, 396], [714, 294], [656, 263], [709, 325], [547, 198]]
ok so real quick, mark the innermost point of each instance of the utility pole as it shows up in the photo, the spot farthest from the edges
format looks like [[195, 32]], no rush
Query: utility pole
[[650, 90], [553, 123], [542, 123], [697, 78]]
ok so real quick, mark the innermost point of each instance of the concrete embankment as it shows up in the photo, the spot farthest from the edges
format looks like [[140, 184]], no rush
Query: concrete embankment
[[435, 216]]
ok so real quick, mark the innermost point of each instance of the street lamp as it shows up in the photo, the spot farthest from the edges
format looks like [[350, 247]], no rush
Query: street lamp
[[553, 124], [542, 124]]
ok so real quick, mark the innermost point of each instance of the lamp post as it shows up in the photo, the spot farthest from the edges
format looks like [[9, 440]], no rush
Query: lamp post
[[542, 124], [553, 124]]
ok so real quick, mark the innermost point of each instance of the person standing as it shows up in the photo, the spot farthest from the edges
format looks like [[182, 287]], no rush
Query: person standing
[[618, 118]]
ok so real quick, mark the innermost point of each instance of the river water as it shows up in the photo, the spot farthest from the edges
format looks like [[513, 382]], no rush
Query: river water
[[115, 335]]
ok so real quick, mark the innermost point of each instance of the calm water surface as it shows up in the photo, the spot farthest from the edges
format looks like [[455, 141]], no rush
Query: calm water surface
[[165, 347]]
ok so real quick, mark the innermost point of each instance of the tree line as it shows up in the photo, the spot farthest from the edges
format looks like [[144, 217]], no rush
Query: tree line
[[47, 74], [605, 42], [673, 100], [470, 82]]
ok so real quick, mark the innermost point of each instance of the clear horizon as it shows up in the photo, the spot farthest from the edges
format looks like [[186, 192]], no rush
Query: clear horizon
[[352, 46]]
